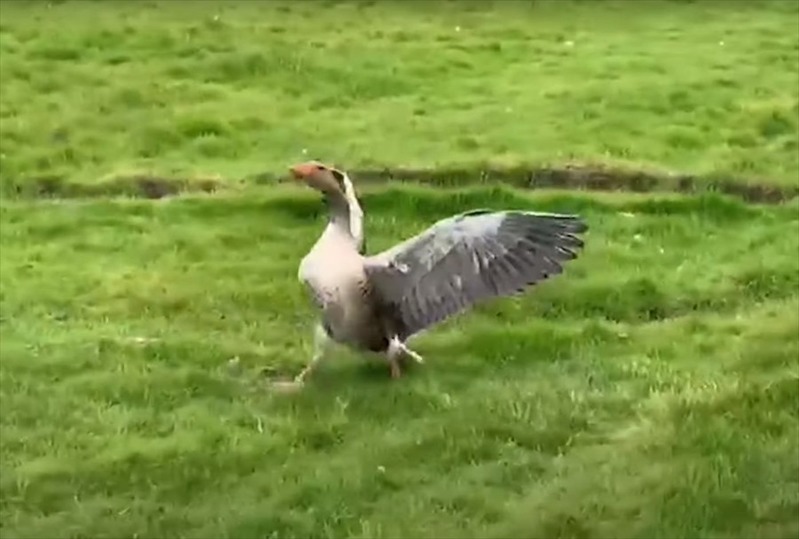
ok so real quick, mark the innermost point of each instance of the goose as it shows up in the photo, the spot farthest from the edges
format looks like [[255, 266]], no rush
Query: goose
[[376, 303]]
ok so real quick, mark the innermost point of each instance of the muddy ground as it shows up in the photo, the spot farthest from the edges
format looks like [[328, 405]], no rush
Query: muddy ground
[[574, 177]]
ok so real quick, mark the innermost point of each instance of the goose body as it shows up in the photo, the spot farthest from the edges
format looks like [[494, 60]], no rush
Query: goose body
[[377, 302], [333, 272]]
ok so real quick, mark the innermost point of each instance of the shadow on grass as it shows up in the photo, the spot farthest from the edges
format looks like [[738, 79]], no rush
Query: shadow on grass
[[569, 177]]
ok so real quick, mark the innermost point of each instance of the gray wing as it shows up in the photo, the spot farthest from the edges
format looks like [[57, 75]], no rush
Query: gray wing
[[467, 258]]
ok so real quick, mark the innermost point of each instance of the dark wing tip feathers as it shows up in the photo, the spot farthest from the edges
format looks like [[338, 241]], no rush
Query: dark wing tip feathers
[[543, 243], [559, 230]]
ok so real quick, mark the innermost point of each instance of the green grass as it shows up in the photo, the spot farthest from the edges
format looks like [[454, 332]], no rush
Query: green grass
[[96, 89], [651, 391]]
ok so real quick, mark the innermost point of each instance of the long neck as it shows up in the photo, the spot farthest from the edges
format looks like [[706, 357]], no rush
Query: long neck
[[338, 209], [345, 214]]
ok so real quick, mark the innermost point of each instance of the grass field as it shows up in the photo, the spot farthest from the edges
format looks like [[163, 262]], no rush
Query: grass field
[[651, 391]]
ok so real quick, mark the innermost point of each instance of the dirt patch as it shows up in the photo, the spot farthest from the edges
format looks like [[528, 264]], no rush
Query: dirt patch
[[137, 186], [571, 177], [590, 178], [599, 179]]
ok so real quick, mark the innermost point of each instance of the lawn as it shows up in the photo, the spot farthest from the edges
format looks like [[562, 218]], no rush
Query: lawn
[[97, 89], [652, 390]]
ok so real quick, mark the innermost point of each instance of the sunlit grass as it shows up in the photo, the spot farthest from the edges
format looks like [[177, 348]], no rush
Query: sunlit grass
[[656, 376], [649, 391], [96, 89]]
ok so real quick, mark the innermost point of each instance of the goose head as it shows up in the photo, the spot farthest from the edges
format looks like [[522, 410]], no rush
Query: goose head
[[337, 192], [325, 179]]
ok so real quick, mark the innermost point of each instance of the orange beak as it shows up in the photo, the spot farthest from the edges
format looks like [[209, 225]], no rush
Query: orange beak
[[302, 170]]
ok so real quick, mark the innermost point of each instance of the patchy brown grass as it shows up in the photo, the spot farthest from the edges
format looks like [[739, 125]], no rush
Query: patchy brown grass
[[574, 177], [134, 186]]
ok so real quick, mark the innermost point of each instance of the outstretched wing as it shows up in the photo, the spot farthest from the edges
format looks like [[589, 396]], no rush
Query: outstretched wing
[[467, 258]]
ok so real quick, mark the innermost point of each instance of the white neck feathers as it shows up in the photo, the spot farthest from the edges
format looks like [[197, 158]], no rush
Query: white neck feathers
[[355, 212]]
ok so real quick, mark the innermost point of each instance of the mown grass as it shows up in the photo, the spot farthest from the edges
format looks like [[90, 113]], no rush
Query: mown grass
[[97, 89], [650, 391]]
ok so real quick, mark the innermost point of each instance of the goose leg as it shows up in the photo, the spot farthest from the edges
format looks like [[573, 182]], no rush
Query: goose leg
[[410, 353], [321, 343], [393, 355], [397, 349]]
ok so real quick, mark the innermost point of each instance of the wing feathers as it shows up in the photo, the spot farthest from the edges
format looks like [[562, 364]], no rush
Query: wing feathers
[[471, 257]]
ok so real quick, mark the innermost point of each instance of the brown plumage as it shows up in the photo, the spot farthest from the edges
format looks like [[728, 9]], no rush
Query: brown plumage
[[377, 302]]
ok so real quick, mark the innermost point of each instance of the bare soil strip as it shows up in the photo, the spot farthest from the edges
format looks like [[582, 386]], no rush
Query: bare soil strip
[[570, 177]]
